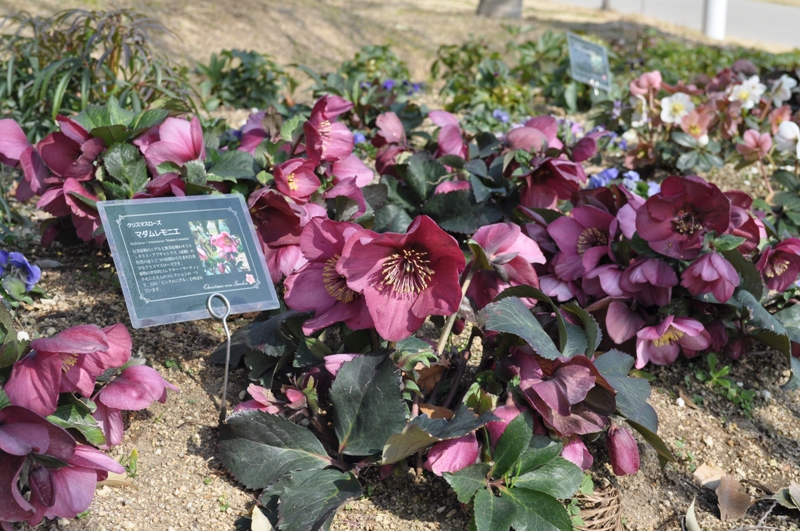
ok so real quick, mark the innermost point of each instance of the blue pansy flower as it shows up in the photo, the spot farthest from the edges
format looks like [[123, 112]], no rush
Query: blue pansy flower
[[501, 115], [603, 178], [389, 84], [629, 180], [653, 188], [359, 138], [16, 264]]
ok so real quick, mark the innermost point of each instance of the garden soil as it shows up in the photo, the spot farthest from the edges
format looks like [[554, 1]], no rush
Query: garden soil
[[180, 483]]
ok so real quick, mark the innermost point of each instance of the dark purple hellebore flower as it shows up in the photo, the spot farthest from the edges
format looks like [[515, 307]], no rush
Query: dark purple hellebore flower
[[71, 152], [569, 393], [327, 140], [318, 286], [511, 256], [583, 240], [404, 277], [553, 179], [675, 221], [623, 451], [649, 281], [453, 454], [133, 389], [743, 224], [661, 344], [15, 264], [780, 264], [710, 272], [55, 365]]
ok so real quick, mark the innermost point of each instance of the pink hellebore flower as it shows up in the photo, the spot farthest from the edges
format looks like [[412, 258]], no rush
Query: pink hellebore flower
[[780, 264], [133, 389], [743, 223], [623, 451], [696, 124], [263, 400], [537, 134], [253, 132], [349, 188], [71, 152], [453, 454], [649, 281], [710, 272], [404, 278], [552, 180], [755, 146], [510, 255], [224, 242], [318, 286], [675, 220], [327, 140], [575, 451], [661, 344], [178, 141], [451, 141], [391, 142], [295, 178], [583, 240], [15, 150], [352, 166], [643, 84]]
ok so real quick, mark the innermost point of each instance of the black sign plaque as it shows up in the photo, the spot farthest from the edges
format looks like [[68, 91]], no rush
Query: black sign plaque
[[172, 253], [588, 62]]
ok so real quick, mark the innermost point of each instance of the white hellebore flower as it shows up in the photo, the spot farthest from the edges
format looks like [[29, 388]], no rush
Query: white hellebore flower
[[675, 107], [748, 92], [640, 109], [787, 138], [782, 89]]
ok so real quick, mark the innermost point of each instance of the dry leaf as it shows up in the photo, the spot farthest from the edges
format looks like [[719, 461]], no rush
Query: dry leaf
[[259, 521], [602, 510], [436, 412], [688, 401], [429, 376], [794, 492], [709, 476], [691, 519], [116, 480], [733, 503]]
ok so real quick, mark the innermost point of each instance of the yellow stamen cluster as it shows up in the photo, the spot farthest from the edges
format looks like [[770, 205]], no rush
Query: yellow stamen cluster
[[407, 272], [591, 237], [686, 224], [292, 185], [670, 336], [335, 284], [776, 268]]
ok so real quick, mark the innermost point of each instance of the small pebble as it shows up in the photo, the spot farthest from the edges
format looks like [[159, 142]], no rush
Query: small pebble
[[451, 513], [63, 522], [680, 402], [23, 336], [51, 331], [441, 509], [766, 395], [740, 384], [709, 441]]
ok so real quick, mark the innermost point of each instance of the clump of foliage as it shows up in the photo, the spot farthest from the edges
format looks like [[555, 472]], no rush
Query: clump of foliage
[[59, 64], [245, 79]]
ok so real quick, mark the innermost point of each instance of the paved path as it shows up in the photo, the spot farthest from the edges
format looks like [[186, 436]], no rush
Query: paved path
[[747, 19]]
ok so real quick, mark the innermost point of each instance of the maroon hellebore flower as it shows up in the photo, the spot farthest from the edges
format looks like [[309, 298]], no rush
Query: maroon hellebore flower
[[649, 281], [583, 240], [575, 451], [552, 180], [175, 140], [71, 152], [743, 224], [661, 344], [510, 257], [318, 286], [327, 140], [780, 264], [349, 188], [675, 220], [710, 272], [453, 454], [352, 166], [133, 389], [623, 452], [404, 277], [295, 178]]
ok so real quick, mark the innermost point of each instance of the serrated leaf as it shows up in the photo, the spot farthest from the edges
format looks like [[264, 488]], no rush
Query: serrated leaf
[[233, 165], [125, 164], [167, 167], [391, 218], [537, 511], [408, 442], [273, 337], [593, 334], [309, 505], [147, 119], [368, 402], [459, 212], [194, 172], [728, 242], [453, 161], [423, 174], [558, 478], [632, 393], [259, 448], [512, 316], [751, 278], [492, 513], [78, 416], [774, 332], [540, 451], [467, 481], [512, 443], [111, 134]]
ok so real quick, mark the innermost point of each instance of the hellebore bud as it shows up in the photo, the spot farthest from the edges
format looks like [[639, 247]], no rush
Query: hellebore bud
[[622, 450]]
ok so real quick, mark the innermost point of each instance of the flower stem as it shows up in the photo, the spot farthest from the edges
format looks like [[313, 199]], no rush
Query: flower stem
[[764, 175], [448, 326]]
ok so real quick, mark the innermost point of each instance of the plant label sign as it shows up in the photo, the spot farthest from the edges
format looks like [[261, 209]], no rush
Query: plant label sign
[[173, 253], [588, 62]]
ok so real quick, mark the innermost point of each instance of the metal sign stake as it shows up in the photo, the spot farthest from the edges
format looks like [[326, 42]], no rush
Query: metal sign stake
[[223, 406]]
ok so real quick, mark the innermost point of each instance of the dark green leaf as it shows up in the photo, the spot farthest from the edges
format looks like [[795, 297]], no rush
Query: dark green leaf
[[126, 165], [632, 393], [759, 317], [751, 278], [259, 448], [168, 167], [664, 454], [537, 511], [15, 288], [4, 401], [147, 119], [558, 478], [529, 292], [111, 134], [194, 172], [788, 180], [478, 167], [391, 218], [233, 165], [459, 212], [511, 444], [454, 161], [593, 334], [492, 513], [375, 195], [727, 242], [273, 337], [423, 174], [684, 139], [78, 416], [512, 316], [368, 402], [688, 160], [463, 422], [308, 505], [794, 381], [540, 451], [467, 481], [408, 442]]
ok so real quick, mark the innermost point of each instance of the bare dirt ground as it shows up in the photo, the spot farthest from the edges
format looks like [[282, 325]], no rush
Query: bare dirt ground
[[180, 482]]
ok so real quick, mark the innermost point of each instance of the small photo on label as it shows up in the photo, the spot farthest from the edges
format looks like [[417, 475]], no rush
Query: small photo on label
[[220, 251]]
